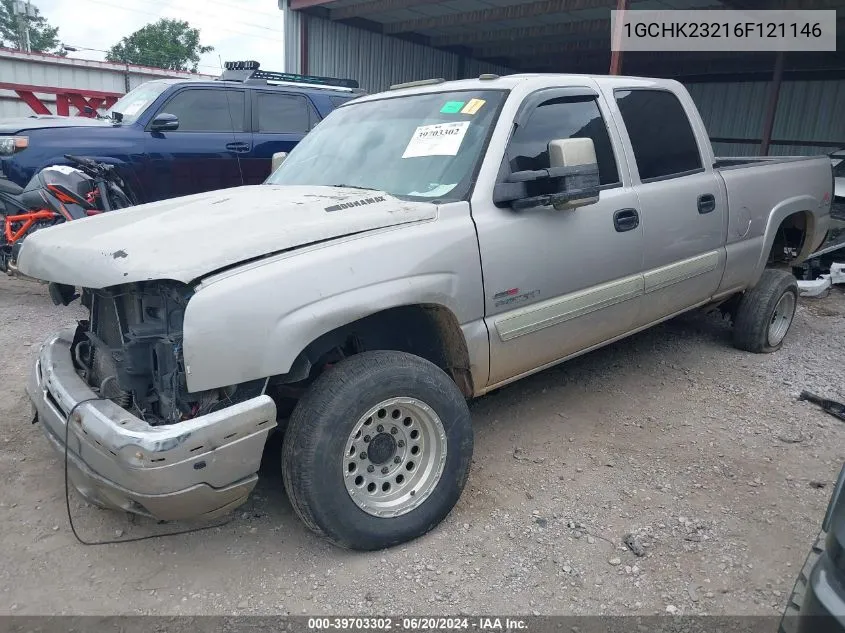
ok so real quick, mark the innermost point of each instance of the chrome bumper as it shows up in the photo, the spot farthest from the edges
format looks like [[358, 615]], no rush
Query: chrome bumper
[[202, 467]]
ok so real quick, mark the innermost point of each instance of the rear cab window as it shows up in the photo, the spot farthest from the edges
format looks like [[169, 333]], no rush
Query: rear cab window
[[661, 135]]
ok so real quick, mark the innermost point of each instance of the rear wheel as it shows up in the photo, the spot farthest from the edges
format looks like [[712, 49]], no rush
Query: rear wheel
[[765, 312], [378, 450]]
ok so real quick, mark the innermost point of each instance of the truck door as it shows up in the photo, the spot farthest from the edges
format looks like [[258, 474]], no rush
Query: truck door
[[684, 210], [280, 121], [205, 153], [558, 282]]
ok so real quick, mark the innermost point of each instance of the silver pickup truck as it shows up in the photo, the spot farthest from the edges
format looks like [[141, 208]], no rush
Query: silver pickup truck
[[419, 248]]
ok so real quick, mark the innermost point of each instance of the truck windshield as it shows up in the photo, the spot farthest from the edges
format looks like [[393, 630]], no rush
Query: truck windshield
[[136, 101], [423, 146]]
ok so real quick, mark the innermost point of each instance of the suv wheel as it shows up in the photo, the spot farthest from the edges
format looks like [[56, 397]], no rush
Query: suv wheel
[[765, 312], [378, 450]]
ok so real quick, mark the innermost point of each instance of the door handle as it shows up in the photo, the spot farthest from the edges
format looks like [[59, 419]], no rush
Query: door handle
[[706, 203], [626, 220], [238, 147]]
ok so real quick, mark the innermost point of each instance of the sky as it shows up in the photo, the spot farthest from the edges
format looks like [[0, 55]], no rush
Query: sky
[[237, 29]]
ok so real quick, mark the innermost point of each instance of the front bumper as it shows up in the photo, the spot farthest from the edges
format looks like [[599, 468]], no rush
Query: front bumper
[[202, 467]]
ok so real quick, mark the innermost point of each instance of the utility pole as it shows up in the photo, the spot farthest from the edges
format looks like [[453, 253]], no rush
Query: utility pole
[[126, 83], [23, 11]]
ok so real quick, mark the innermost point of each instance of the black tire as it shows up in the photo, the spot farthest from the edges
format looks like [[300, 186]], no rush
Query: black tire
[[320, 427], [789, 620], [756, 311]]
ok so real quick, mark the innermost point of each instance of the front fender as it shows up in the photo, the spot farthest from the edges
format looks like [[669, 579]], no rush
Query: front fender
[[253, 322], [273, 336]]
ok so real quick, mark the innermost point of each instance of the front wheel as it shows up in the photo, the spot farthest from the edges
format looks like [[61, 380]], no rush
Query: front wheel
[[765, 312], [378, 451]]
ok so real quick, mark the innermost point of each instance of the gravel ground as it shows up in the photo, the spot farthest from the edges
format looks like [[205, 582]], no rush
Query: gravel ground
[[700, 453]]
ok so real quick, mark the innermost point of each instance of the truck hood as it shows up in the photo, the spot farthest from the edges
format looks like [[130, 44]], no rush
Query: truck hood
[[20, 124], [187, 238]]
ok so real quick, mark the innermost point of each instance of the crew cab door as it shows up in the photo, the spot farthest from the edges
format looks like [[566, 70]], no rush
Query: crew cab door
[[206, 151], [682, 200], [280, 121], [558, 282]]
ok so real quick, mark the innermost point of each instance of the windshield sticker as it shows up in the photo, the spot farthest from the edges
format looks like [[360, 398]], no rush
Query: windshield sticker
[[473, 106], [452, 107], [441, 139], [435, 191]]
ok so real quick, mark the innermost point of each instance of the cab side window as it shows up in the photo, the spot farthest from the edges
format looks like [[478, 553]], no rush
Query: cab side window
[[283, 113], [660, 132], [208, 110], [559, 119]]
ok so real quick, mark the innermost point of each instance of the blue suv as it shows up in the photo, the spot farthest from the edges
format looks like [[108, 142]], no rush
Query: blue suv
[[175, 137]]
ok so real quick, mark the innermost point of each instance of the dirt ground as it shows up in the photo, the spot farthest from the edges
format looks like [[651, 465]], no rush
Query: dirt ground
[[699, 450]]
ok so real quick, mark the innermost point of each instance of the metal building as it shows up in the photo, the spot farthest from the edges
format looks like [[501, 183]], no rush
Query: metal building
[[751, 102], [38, 83]]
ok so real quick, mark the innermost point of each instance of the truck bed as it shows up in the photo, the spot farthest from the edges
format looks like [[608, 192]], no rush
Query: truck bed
[[737, 162], [756, 186]]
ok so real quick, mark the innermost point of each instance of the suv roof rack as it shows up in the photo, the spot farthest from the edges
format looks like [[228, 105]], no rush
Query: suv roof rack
[[250, 72]]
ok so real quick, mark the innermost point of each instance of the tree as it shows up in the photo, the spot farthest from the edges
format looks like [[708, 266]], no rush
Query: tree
[[170, 44], [43, 38]]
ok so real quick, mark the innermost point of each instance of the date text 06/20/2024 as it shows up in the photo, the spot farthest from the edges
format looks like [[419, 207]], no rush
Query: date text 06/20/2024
[[418, 624]]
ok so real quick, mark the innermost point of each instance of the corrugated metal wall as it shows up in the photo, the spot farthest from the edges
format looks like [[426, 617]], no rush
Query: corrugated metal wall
[[47, 70], [375, 60], [807, 111]]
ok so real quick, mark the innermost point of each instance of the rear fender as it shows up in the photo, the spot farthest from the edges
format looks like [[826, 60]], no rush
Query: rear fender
[[808, 206]]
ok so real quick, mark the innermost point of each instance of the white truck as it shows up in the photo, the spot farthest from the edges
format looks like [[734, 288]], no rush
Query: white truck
[[420, 247]]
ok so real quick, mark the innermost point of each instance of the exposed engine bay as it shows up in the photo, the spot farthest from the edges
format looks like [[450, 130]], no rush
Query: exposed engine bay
[[130, 351]]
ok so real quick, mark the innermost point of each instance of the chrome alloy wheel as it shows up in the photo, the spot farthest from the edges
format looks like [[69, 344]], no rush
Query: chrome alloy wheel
[[394, 457]]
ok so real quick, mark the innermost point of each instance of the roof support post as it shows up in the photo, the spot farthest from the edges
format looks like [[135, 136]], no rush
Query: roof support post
[[616, 54], [303, 44], [772, 107]]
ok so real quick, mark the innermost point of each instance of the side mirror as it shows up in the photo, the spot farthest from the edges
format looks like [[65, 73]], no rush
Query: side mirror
[[165, 122], [278, 159], [572, 179], [582, 188]]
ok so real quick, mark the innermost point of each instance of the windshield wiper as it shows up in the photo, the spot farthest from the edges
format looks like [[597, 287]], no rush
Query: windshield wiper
[[355, 187]]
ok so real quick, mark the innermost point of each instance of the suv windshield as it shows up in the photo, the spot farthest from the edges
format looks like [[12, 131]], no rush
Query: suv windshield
[[421, 146], [135, 102]]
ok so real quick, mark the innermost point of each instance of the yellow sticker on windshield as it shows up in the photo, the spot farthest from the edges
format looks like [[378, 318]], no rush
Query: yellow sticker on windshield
[[473, 106]]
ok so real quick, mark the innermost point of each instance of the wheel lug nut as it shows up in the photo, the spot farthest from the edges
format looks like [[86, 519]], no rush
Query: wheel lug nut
[[394, 430], [384, 470], [367, 439], [400, 443], [380, 428], [363, 455], [370, 468], [397, 459]]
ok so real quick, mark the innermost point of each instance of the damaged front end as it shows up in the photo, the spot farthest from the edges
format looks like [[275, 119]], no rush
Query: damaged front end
[[112, 396], [130, 352]]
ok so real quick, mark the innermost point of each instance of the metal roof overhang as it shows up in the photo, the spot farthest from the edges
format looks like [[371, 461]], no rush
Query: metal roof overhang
[[566, 35]]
